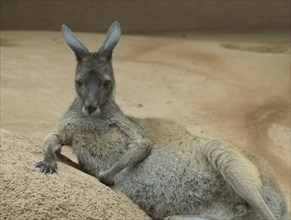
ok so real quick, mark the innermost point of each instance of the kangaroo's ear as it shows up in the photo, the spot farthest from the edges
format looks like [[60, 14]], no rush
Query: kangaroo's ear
[[74, 43], [111, 40]]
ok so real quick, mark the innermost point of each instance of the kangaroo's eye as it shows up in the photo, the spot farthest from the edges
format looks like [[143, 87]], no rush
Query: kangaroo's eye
[[106, 83], [79, 82]]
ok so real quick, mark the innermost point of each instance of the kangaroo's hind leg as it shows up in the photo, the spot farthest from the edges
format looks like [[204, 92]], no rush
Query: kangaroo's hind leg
[[242, 175]]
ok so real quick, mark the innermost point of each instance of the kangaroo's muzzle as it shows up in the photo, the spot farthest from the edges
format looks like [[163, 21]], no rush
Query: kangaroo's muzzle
[[91, 110]]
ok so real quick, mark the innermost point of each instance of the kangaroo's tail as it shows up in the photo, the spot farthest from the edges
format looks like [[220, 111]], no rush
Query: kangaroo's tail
[[241, 174]]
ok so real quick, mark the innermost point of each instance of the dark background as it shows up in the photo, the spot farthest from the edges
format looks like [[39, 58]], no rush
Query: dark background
[[145, 16]]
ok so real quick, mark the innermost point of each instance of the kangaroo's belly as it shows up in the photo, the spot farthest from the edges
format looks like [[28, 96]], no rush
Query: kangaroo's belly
[[173, 182]]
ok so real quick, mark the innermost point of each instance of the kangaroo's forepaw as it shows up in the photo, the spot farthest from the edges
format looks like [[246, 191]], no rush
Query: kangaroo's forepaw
[[106, 179], [46, 167]]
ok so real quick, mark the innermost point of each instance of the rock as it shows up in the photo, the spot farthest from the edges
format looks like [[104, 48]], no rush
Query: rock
[[26, 193]]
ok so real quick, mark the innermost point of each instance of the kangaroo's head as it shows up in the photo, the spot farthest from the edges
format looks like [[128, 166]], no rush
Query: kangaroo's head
[[94, 81]]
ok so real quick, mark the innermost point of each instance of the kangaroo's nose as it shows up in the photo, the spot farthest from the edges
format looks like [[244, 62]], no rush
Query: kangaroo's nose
[[91, 109]]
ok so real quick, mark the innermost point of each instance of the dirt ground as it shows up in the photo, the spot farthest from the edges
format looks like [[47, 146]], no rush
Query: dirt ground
[[234, 86]]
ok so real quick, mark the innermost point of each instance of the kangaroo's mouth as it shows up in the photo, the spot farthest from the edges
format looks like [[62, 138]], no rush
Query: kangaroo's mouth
[[91, 111]]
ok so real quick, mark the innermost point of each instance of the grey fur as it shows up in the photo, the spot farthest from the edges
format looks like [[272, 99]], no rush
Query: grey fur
[[158, 164], [112, 39], [74, 43]]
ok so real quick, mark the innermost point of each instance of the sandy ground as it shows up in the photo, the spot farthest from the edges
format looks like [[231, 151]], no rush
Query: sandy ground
[[234, 86]]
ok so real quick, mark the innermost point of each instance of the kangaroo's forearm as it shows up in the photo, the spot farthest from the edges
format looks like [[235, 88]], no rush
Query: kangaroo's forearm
[[52, 146], [137, 153]]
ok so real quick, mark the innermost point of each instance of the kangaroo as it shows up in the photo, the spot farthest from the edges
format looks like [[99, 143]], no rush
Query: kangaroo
[[168, 172]]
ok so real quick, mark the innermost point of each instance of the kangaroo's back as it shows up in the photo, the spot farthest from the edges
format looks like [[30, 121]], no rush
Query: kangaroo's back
[[161, 131]]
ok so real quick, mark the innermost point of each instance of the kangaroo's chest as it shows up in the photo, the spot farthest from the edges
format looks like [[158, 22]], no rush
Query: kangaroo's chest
[[105, 144]]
